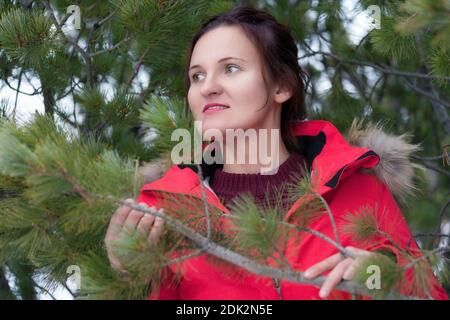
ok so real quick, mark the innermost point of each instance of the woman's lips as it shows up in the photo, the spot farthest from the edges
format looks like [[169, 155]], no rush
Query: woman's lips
[[214, 110]]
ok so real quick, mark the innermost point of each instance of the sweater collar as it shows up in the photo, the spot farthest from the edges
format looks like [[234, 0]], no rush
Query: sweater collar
[[232, 183]]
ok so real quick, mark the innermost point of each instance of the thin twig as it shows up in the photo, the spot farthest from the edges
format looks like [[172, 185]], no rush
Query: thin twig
[[372, 90], [65, 117], [330, 215], [382, 68], [431, 166], [101, 22], [71, 89], [195, 253], [21, 92], [43, 289], [441, 214], [205, 203], [425, 256], [109, 49], [308, 230], [17, 95], [430, 158], [426, 94], [138, 66], [418, 235], [318, 234]]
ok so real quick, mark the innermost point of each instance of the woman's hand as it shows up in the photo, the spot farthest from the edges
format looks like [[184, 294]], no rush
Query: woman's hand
[[342, 269], [125, 220]]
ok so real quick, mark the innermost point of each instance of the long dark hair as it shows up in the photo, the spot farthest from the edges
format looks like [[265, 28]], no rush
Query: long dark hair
[[279, 53]]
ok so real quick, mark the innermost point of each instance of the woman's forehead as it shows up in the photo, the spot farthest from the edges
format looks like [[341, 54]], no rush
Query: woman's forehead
[[223, 42]]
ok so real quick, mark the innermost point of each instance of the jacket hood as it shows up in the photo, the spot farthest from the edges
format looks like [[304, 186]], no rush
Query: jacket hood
[[395, 169], [331, 155]]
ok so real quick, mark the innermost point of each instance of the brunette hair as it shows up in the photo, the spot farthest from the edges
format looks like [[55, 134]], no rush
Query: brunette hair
[[279, 53]]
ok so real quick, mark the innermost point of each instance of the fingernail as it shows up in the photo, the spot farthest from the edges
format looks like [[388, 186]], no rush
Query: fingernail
[[307, 274], [323, 293]]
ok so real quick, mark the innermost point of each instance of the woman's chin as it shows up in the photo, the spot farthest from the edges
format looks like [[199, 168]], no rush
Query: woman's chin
[[213, 126]]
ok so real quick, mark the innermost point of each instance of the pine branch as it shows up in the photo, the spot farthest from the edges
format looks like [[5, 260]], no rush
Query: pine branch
[[84, 54], [382, 68], [318, 234], [232, 257]]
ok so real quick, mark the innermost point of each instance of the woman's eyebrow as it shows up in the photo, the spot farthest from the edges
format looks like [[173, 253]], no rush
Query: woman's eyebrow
[[220, 60]]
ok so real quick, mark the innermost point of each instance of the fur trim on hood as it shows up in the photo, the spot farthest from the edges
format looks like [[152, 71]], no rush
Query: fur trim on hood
[[395, 169]]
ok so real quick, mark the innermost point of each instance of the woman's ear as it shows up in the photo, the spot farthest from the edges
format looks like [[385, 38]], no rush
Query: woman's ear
[[282, 94]]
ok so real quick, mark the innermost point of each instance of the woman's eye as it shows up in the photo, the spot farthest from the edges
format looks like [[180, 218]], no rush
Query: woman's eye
[[232, 66], [228, 67], [195, 77]]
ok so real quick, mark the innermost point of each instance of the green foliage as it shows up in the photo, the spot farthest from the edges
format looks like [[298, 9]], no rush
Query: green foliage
[[60, 212], [27, 37], [392, 44], [125, 79], [392, 276], [253, 232], [341, 106], [428, 15], [361, 225], [439, 65], [164, 116], [100, 281]]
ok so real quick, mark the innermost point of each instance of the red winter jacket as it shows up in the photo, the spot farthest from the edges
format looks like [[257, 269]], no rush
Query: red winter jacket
[[348, 176]]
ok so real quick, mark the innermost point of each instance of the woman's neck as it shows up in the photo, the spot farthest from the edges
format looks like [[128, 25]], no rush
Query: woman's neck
[[254, 156]]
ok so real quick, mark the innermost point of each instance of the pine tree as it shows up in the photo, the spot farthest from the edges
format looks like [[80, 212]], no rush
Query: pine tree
[[63, 174]]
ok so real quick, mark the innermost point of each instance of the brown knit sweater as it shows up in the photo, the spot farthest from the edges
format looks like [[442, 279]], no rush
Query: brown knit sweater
[[266, 189]]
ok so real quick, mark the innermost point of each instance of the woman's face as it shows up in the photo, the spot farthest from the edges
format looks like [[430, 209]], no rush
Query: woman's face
[[226, 69]]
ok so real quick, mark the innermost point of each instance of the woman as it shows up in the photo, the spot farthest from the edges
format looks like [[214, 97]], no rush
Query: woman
[[242, 73]]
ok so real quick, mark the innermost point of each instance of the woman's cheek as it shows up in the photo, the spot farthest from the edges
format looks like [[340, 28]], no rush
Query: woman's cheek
[[249, 90], [194, 105]]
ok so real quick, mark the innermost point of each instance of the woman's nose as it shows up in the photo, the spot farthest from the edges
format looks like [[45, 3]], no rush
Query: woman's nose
[[211, 85]]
